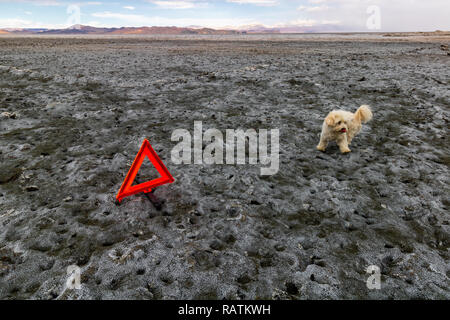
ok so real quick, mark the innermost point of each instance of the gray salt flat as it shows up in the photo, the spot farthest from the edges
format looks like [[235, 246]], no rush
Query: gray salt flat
[[84, 106]]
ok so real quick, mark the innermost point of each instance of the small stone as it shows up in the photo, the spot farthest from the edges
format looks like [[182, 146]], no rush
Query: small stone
[[31, 188], [138, 233], [192, 235], [350, 226], [383, 206], [67, 199], [10, 115], [406, 248], [193, 220], [25, 147], [232, 212]]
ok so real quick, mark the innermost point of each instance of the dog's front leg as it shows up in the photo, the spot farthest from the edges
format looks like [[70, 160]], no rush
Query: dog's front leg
[[349, 138], [343, 144], [322, 144]]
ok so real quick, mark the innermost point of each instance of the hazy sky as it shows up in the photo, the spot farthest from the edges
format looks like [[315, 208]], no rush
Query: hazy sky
[[343, 15]]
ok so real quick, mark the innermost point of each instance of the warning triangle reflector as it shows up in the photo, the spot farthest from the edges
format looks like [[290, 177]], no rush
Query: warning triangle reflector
[[146, 150]]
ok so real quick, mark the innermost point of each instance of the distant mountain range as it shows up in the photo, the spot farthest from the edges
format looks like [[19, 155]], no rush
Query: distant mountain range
[[81, 29]]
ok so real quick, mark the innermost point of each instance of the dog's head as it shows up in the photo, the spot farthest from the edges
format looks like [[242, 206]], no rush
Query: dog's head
[[337, 122]]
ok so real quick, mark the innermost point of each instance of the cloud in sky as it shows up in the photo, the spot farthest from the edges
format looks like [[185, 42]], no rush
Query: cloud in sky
[[175, 4], [142, 20], [24, 23], [34, 2], [398, 15], [346, 15], [313, 8], [48, 3], [255, 2]]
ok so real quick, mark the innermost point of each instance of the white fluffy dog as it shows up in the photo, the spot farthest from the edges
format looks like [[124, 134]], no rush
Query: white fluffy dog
[[342, 126]]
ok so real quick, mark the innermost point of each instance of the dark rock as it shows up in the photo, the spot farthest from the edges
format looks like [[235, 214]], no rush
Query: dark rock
[[167, 279], [229, 238], [386, 263], [291, 288], [140, 271], [9, 173], [193, 220], [244, 279], [216, 245], [266, 262], [47, 264], [320, 263]]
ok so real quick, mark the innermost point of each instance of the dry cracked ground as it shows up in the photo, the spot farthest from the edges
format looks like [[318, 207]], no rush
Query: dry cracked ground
[[75, 111]]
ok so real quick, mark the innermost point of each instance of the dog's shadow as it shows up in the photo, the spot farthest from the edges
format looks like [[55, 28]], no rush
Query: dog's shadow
[[333, 153]]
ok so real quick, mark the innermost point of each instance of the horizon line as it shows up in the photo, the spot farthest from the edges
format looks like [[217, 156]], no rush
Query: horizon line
[[241, 28]]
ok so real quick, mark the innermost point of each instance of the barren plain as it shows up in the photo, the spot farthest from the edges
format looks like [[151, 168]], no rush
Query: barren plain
[[75, 110]]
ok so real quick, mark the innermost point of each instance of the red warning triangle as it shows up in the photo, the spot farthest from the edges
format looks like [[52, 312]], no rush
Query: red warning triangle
[[146, 150]]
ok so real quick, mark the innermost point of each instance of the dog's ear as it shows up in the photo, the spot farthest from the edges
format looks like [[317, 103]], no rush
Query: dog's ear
[[330, 119]]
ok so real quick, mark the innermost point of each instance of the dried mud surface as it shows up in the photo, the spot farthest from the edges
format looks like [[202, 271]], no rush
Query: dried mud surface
[[75, 111]]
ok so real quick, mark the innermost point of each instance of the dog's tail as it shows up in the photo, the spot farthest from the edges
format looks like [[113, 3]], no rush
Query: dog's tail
[[363, 114]]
